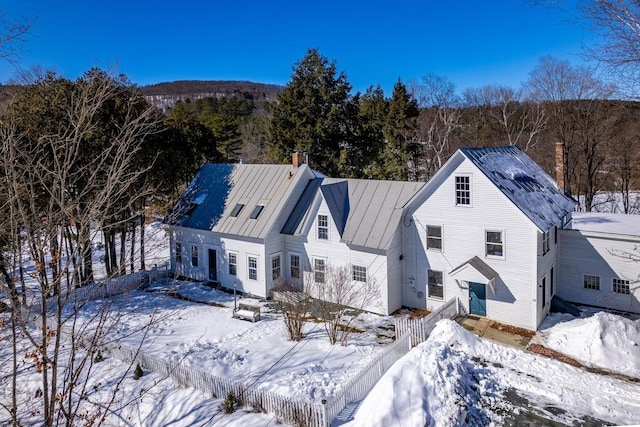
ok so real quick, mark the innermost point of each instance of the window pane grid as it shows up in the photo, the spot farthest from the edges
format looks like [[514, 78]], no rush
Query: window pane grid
[[463, 190], [318, 268], [233, 264], [434, 237], [621, 286], [591, 282], [295, 267], [253, 268], [436, 289], [275, 267], [323, 227], [194, 256], [494, 243], [359, 273]]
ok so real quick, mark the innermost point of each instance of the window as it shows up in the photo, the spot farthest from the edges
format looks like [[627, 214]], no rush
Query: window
[[323, 227], [463, 190], [233, 263], [591, 282], [436, 290], [318, 270], [256, 212], [621, 286], [495, 245], [545, 243], [275, 267], [253, 268], [358, 273], [295, 266], [434, 237], [178, 249], [194, 256], [236, 210]]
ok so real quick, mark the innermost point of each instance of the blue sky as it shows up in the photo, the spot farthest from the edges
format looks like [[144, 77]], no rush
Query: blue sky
[[471, 42]]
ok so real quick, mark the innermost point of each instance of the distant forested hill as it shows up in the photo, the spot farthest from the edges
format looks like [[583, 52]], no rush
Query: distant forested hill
[[165, 95]]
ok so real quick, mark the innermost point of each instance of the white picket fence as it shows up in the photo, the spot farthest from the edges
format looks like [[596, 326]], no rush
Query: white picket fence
[[360, 384], [285, 408], [101, 289], [420, 328]]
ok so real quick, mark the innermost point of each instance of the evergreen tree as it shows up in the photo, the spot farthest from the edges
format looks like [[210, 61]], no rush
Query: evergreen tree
[[398, 131], [313, 115]]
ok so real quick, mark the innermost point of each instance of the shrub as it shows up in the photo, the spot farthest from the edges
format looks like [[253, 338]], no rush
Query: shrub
[[230, 403], [138, 373], [98, 357]]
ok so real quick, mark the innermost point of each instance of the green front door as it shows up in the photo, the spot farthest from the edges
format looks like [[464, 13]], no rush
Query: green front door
[[478, 298]]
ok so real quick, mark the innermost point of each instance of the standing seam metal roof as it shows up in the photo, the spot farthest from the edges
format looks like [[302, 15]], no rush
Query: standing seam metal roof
[[525, 183], [227, 185]]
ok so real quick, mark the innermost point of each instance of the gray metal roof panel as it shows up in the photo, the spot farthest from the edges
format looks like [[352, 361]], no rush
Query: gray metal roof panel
[[375, 210], [227, 185], [524, 182]]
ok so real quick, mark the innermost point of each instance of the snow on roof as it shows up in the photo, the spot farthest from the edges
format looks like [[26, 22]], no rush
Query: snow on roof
[[217, 189], [519, 178], [613, 223]]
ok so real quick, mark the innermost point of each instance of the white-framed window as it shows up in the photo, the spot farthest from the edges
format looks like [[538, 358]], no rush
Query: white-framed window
[[319, 270], [294, 266], [545, 243], [194, 256], [323, 227], [436, 287], [233, 263], [252, 265], [434, 237], [358, 273], [590, 281], [494, 241], [178, 248], [463, 190], [621, 286], [276, 270]]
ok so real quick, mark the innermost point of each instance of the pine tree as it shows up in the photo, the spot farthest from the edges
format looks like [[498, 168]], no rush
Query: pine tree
[[313, 115], [398, 130]]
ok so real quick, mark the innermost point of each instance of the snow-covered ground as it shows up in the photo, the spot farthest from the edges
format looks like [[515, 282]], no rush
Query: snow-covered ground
[[454, 378]]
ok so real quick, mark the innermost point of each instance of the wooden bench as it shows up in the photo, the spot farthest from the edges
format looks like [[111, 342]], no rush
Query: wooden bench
[[247, 312]]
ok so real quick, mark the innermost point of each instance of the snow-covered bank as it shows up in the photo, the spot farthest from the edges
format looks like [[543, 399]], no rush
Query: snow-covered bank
[[456, 378]]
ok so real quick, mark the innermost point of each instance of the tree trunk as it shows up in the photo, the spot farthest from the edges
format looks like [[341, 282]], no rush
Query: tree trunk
[[142, 218]]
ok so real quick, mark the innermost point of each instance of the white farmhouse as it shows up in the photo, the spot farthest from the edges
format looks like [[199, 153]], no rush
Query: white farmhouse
[[484, 230], [491, 229]]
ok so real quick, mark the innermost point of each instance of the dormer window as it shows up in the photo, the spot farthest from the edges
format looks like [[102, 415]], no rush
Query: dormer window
[[256, 211], [236, 210]]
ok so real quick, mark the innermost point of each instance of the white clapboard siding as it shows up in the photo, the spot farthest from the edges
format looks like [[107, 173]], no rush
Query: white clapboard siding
[[463, 229], [599, 255]]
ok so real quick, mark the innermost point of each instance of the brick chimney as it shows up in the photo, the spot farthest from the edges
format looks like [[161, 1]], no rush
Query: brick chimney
[[297, 159], [560, 164]]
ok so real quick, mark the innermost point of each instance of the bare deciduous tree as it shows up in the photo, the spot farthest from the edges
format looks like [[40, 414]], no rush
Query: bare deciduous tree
[[339, 298], [438, 121], [55, 190]]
